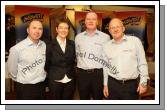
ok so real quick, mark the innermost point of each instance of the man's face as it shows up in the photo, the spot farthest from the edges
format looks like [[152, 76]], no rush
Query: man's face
[[35, 30], [91, 21], [116, 29], [62, 30]]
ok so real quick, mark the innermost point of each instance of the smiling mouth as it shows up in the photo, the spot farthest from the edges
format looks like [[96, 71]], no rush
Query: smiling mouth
[[37, 35], [64, 33]]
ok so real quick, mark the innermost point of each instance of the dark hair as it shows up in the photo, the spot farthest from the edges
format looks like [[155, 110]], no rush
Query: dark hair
[[63, 21]]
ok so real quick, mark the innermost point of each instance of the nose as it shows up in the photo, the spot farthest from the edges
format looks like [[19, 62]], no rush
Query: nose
[[115, 29], [37, 30]]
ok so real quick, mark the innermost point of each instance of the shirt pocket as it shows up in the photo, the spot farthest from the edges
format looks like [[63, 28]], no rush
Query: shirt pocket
[[26, 56], [97, 48], [128, 53], [42, 55], [81, 47]]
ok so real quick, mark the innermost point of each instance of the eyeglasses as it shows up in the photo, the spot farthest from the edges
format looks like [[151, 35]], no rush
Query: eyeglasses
[[115, 27]]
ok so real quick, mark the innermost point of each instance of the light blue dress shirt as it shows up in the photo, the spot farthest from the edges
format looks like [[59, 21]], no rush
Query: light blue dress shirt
[[125, 60], [89, 49], [26, 62]]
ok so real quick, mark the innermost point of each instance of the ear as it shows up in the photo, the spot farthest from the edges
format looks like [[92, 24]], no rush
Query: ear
[[109, 30], [28, 30], [123, 28], [56, 29]]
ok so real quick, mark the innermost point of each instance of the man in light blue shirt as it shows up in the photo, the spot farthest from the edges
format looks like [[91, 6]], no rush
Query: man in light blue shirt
[[26, 64], [89, 59], [125, 63]]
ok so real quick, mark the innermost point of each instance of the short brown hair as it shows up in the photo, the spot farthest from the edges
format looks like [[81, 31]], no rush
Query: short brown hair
[[62, 21]]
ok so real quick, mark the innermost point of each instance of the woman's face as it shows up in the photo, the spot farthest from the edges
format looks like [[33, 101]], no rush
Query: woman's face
[[62, 30]]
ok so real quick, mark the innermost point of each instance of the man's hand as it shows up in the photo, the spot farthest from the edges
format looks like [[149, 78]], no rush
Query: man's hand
[[105, 91], [141, 89]]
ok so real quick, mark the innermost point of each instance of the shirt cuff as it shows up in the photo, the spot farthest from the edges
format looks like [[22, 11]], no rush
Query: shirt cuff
[[144, 81]]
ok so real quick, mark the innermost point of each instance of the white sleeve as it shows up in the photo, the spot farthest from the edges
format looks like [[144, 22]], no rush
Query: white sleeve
[[12, 63]]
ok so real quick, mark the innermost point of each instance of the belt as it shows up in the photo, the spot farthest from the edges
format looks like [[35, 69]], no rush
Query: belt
[[89, 71], [124, 81]]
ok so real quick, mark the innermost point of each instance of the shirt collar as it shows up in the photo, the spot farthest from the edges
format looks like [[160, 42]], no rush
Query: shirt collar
[[96, 32], [30, 42], [124, 38], [59, 40]]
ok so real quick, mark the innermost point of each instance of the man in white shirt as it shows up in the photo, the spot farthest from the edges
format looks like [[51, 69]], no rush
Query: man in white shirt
[[126, 63], [26, 64], [89, 56]]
